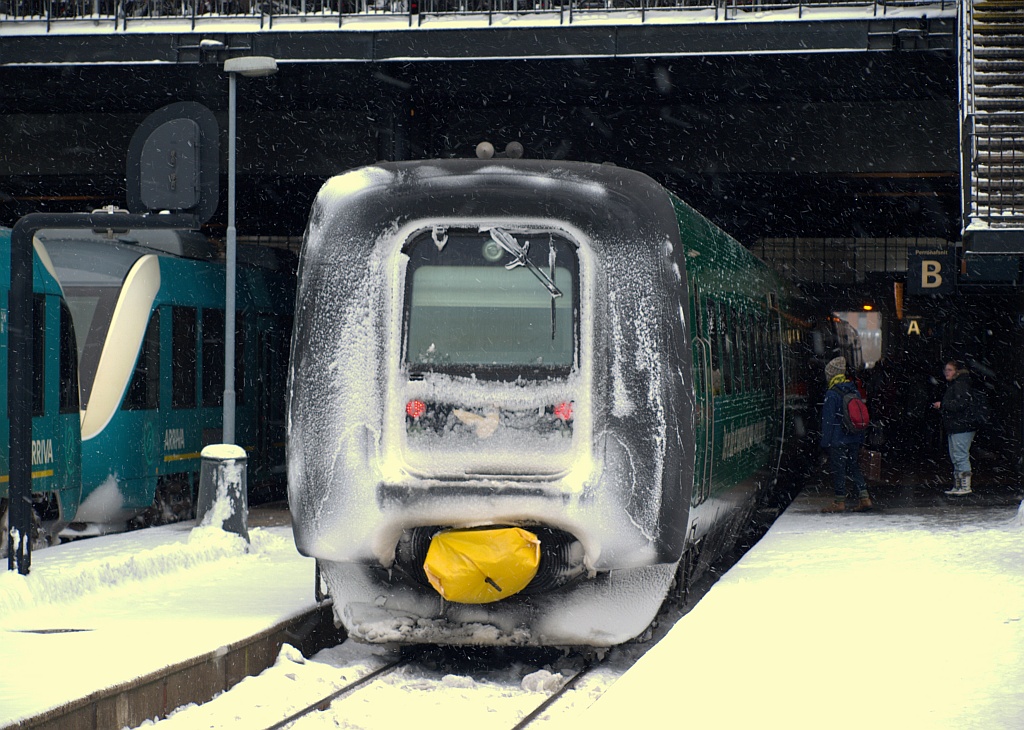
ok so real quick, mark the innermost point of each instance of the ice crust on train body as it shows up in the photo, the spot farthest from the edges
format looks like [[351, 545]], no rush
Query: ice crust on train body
[[347, 386]]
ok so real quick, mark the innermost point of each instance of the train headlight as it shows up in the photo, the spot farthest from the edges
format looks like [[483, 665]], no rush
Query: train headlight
[[492, 252]]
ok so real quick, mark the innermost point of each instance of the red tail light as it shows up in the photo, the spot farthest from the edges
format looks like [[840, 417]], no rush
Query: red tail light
[[563, 411], [415, 408]]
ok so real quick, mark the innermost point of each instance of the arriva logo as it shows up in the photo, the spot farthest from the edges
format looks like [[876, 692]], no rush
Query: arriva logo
[[743, 438], [174, 439], [42, 452]]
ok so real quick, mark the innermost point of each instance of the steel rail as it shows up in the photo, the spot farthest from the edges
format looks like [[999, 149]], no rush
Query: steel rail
[[325, 702], [558, 694]]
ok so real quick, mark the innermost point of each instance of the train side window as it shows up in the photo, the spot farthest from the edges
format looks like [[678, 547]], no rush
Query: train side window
[[747, 335], [68, 362], [750, 339], [713, 333], [753, 341], [761, 346], [725, 349], [184, 357], [729, 349], [38, 354], [754, 378], [213, 357], [739, 334], [756, 365], [144, 388]]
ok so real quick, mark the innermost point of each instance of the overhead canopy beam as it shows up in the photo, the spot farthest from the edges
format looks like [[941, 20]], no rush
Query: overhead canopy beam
[[490, 42]]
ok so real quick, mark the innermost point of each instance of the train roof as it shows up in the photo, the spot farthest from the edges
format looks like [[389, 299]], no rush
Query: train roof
[[605, 202], [42, 270], [186, 244], [193, 245]]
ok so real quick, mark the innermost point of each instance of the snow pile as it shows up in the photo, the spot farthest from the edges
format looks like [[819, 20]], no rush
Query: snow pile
[[99, 613], [542, 681], [64, 581]]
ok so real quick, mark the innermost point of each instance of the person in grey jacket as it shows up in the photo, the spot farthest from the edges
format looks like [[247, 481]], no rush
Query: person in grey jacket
[[960, 420]]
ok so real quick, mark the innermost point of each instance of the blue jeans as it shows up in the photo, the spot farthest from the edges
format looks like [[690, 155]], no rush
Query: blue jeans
[[960, 450], [843, 461]]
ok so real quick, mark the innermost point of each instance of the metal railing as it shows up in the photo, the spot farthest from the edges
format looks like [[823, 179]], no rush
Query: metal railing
[[991, 142], [997, 173], [123, 12], [965, 18]]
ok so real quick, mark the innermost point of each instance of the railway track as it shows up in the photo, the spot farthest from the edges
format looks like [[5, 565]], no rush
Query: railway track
[[554, 697], [421, 684], [361, 686], [325, 703]]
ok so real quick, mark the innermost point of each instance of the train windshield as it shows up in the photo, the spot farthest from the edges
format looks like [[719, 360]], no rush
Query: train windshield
[[492, 303], [91, 311], [92, 276]]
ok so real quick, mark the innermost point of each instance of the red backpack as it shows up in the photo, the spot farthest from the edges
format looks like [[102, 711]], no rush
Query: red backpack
[[855, 412]]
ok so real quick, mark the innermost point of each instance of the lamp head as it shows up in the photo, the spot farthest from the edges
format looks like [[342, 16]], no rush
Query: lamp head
[[251, 66]]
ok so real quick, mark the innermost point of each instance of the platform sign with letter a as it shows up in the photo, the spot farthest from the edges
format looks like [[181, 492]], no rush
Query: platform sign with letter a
[[931, 271]]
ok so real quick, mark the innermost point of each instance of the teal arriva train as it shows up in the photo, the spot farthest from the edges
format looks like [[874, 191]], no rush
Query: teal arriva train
[[56, 439], [147, 309], [529, 399]]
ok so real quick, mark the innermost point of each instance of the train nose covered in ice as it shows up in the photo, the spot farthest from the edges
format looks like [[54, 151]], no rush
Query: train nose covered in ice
[[487, 423]]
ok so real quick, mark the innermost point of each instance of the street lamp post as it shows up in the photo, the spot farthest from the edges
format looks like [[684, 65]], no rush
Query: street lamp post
[[250, 66]]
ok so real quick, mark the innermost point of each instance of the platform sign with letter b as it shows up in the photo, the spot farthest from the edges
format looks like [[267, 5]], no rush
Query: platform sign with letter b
[[930, 271]]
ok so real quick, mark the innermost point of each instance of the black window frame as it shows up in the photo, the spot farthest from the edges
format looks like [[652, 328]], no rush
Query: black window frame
[[504, 373], [68, 394], [143, 393], [184, 357], [38, 355]]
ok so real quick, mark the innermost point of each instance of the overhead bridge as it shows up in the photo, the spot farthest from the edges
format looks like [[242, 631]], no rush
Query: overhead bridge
[[792, 119], [992, 107], [104, 32]]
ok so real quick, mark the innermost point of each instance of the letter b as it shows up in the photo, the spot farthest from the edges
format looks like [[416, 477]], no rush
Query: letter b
[[930, 276]]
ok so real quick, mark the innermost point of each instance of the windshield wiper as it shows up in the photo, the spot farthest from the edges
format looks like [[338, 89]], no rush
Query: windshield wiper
[[519, 253]]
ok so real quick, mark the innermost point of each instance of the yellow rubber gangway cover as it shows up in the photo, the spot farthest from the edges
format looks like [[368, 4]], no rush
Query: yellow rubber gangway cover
[[482, 565]]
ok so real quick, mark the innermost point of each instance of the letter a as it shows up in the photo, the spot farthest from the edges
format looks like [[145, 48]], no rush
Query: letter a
[[914, 328], [930, 276]]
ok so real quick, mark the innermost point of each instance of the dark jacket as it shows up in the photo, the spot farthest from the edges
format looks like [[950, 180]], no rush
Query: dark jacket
[[959, 409], [832, 431]]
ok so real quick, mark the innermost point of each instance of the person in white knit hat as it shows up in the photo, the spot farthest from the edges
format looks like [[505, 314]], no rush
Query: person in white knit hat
[[843, 445]]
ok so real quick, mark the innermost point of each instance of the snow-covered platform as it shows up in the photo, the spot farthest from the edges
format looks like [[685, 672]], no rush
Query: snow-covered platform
[[114, 630], [908, 616]]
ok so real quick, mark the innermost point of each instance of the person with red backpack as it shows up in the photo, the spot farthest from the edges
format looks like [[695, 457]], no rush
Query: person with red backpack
[[844, 421]]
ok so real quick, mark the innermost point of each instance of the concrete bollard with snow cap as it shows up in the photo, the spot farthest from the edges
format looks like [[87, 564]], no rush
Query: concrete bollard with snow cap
[[223, 500]]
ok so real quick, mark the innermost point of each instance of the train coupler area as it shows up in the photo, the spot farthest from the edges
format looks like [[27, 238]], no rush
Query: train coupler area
[[520, 560], [380, 606]]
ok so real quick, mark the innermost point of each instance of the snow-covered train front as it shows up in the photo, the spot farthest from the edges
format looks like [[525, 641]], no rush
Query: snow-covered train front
[[490, 383]]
